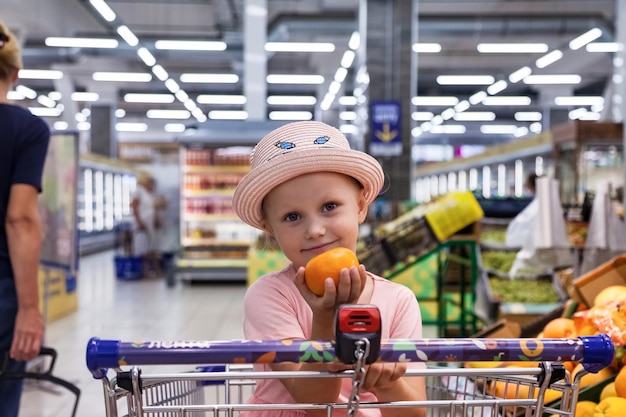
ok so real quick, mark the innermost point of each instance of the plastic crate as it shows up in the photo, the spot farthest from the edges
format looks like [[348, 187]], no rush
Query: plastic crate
[[128, 268]]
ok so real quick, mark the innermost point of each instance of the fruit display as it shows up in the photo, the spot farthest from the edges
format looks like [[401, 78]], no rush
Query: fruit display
[[526, 291], [497, 237], [327, 265]]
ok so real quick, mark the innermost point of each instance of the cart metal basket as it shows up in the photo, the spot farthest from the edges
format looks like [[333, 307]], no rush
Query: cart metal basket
[[451, 391]]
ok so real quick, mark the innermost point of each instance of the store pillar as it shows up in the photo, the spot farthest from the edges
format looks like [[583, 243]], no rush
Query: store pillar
[[255, 59], [388, 36], [103, 133]]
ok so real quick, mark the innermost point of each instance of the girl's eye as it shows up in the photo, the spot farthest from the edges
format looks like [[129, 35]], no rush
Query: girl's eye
[[330, 206], [291, 217]]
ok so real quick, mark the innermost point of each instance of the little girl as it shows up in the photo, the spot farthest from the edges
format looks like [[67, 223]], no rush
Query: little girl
[[310, 191]]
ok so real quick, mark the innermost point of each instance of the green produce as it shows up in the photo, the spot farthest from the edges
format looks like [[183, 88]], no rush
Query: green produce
[[527, 291], [500, 261], [494, 236]]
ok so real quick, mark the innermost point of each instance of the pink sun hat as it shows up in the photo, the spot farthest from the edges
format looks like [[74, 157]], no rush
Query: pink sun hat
[[296, 149]]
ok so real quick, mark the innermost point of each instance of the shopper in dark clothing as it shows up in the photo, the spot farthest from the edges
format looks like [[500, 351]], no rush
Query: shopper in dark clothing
[[23, 145]]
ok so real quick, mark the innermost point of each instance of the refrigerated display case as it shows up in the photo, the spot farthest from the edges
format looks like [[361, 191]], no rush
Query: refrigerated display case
[[105, 189]]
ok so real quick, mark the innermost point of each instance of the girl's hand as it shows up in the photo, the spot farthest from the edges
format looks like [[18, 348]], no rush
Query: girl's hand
[[381, 376]]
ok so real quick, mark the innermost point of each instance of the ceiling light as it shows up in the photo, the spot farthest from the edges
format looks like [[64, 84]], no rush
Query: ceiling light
[[40, 74], [475, 116], [292, 100], [347, 101], [590, 115], [119, 113], [434, 100], [84, 126], [299, 47], [535, 127], [585, 38], [209, 78], [182, 96], [355, 41], [175, 127], [105, 11], [46, 101], [461, 106], [340, 74], [172, 85], [26, 92], [167, 114], [576, 113], [520, 131], [46, 111], [497, 87], [604, 47], [511, 48], [553, 79], [507, 101], [477, 97], [128, 36], [221, 99], [290, 115], [527, 116], [131, 127], [160, 72], [189, 104], [578, 100], [334, 87], [347, 115], [347, 59], [448, 129], [148, 98], [448, 113], [228, 114], [146, 56], [421, 116], [294, 79], [80, 42], [85, 96], [549, 58], [190, 45], [349, 129], [55, 95], [60, 125], [14, 95], [498, 129], [132, 77], [465, 79], [519, 75], [426, 48]]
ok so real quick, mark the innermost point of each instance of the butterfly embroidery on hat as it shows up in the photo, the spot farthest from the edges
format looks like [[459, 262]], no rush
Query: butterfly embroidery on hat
[[285, 145], [321, 140]]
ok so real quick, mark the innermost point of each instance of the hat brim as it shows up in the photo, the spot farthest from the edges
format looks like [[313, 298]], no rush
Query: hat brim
[[252, 189]]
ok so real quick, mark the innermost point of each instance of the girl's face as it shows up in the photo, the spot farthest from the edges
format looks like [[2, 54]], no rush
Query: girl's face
[[313, 213]]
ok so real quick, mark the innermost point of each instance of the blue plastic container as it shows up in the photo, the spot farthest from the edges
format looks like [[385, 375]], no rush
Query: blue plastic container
[[128, 268]]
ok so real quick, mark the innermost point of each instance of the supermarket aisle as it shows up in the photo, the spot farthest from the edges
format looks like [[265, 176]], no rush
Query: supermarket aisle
[[127, 310]]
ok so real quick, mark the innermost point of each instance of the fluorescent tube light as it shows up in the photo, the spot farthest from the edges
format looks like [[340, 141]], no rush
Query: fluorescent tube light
[[26, 92], [461, 106], [520, 131], [294, 79], [190, 45], [148, 98], [60, 125], [527, 116], [209, 78], [131, 77], [181, 96], [105, 11], [465, 79], [291, 100], [28, 74], [334, 87], [590, 115], [549, 58], [146, 56], [119, 113], [347, 116], [340, 74], [221, 99], [512, 48], [46, 111], [355, 41], [131, 127], [507, 101], [348, 58], [160, 72], [585, 38], [477, 97], [553, 79], [167, 114], [55, 95], [578, 100], [85, 96], [426, 48], [519, 75], [46, 101], [604, 47], [497, 87], [434, 100], [347, 101], [172, 85], [290, 115], [448, 129], [174, 127], [228, 114], [448, 113], [83, 126], [189, 103], [475, 116], [15, 96], [299, 47], [437, 120], [128, 35], [55, 41], [576, 113], [498, 129]]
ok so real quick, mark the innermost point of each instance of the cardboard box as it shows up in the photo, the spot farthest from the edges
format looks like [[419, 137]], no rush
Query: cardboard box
[[502, 329], [588, 286]]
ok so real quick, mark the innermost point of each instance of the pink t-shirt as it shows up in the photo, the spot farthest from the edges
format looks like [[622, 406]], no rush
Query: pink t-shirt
[[275, 310]]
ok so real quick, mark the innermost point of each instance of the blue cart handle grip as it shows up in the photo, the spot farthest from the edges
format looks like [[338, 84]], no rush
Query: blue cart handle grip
[[595, 352]]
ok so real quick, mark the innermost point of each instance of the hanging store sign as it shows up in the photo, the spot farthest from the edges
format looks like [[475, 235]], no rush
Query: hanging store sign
[[385, 129]]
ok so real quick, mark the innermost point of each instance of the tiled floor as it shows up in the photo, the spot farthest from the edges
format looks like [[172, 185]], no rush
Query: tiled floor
[[127, 310]]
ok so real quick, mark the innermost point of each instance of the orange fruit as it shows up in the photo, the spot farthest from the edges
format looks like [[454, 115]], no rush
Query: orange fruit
[[620, 383], [611, 407], [608, 391], [327, 265], [609, 294], [585, 409], [560, 327], [591, 378]]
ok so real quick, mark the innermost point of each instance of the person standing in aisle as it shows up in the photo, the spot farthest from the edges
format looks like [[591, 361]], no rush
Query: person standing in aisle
[[310, 191], [144, 211], [23, 149]]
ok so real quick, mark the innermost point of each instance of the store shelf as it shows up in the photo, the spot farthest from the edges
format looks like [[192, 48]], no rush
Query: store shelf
[[242, 169], [205, 241], [209, 192], [212, 263], [210, 217]]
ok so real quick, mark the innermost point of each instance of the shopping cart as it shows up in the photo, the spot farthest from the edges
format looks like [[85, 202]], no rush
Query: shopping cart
[[451, 391]]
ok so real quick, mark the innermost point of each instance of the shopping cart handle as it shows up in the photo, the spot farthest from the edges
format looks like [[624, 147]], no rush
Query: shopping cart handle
[[595, 352]]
